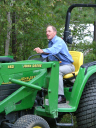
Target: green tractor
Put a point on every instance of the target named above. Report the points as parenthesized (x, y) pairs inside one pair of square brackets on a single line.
[(29, 90)]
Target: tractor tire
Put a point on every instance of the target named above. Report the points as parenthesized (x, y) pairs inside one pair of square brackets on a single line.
[(86, 113), (30, 121), (7, 89)]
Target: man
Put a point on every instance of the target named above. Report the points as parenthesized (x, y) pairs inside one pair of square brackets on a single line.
[(58, 47)]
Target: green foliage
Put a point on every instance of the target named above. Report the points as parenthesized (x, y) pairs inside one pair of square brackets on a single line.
[(32, 17), (91, 55), (88, 50), (67, 119)]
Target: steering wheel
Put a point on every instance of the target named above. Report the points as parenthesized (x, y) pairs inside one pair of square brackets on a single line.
[(41, 58)]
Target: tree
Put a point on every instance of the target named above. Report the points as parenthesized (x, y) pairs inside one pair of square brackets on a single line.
[(14, 42), (95, 23), (8, 34), (10, 28), (29, 20)]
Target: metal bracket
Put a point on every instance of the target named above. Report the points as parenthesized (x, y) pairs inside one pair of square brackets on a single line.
[(10, 107), (66, 124), (7, 125)]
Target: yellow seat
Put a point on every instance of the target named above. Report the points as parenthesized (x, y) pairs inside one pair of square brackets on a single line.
[(78, 61)]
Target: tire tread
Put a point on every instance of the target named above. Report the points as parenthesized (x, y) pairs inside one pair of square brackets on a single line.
[(86, 113)]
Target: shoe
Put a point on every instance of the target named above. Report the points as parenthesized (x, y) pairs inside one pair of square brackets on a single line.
[(61, 100)]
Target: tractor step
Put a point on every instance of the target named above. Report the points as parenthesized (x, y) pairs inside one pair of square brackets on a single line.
[(64, 105), (66, 124)]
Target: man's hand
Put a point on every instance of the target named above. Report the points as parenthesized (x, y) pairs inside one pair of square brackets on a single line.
[(38, 50)]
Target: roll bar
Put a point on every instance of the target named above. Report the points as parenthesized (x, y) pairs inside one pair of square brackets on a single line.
[(67, 36)]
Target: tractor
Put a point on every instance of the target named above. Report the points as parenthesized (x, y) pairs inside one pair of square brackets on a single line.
[(29, 90)]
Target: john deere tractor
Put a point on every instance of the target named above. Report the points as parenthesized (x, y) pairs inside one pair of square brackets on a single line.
[(29, 90)]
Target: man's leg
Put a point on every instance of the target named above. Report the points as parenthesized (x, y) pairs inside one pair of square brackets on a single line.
[(63, 70)]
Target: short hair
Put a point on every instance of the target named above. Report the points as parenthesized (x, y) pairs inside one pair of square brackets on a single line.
[(52, 27)]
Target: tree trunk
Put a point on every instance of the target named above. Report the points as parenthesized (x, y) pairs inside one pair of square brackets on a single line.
[(95, 30), (94, 24), (14, 48), (8, 34), (94, 40)]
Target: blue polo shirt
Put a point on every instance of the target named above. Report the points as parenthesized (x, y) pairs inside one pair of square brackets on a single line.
[(58, 47)]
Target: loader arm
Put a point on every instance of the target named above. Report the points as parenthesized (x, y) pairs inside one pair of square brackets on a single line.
[(24, 97)]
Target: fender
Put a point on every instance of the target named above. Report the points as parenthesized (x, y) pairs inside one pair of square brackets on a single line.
[(83, 76)]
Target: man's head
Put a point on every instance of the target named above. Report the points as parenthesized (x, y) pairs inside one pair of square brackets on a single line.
[(51, 32)]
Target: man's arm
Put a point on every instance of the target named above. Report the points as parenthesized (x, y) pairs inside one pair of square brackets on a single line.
[(39, 50)]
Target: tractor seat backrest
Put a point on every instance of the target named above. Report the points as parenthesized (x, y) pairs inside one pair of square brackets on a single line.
[(78, 61)]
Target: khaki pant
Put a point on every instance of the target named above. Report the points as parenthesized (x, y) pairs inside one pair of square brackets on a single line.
[(63, 70)]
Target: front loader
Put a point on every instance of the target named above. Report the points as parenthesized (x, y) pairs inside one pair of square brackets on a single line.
[(29, 90)]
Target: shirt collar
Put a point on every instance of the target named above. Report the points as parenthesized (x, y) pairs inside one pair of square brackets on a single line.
[(53, 40)]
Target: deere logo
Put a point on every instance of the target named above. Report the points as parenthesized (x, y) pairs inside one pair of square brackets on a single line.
[(27, 66), (32, 66)]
